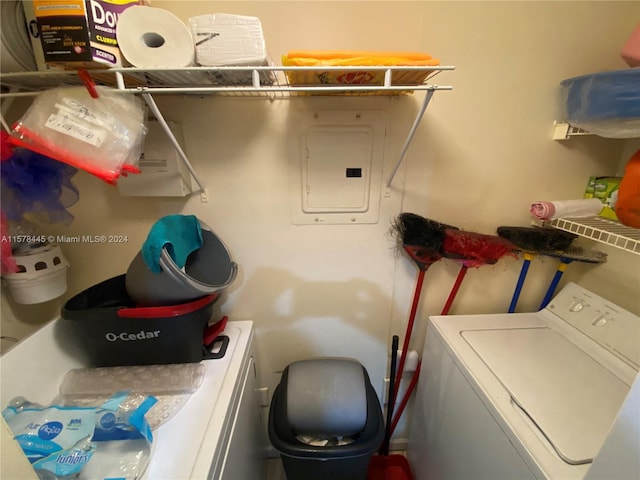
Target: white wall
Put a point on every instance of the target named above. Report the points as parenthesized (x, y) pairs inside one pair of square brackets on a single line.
[(481, 155)]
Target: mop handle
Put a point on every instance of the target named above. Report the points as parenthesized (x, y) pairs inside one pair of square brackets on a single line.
[(562, 266), (407, 335), (523, 275), (405, 398), (454, 290), (384, 450)]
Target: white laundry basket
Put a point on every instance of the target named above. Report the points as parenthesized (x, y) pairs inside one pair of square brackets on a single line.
[(41, 275)]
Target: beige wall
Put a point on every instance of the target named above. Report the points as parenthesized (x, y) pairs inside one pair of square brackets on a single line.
[(482, 154)]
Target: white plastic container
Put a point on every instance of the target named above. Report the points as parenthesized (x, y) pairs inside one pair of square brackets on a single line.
[(41, 276)]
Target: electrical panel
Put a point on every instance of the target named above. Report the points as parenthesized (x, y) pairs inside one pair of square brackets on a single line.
[(337, 162)]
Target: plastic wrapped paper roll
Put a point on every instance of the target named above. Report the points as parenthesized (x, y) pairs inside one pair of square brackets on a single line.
[(151, 37), (548, 210), (225, 39)]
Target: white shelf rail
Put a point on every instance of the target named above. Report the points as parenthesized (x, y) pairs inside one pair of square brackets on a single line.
[(264, 81), (249, 81), (602, 230)]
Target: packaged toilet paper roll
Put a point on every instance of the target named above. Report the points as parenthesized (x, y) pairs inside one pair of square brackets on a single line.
[(151, 37)]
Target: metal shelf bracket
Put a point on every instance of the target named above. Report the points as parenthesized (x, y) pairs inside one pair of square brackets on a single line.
[(156, 113), (564, 131), (412, 131)]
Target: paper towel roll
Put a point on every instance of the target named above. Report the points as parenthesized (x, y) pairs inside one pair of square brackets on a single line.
[(151, 37)]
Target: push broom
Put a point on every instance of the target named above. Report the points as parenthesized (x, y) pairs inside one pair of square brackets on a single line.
[(470, 250), (566, 257), (532, 241), (422, 240)]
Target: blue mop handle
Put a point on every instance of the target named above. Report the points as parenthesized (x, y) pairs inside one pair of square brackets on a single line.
[(554, 282), (523, 275)]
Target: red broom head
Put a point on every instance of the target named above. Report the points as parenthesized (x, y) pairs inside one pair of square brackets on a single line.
[(422, 256), (475, 249)]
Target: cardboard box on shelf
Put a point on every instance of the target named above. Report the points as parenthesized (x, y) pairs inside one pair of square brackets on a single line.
[(75, 33), (606, 189)]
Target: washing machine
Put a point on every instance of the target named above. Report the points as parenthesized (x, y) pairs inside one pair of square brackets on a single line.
[(526, 395)]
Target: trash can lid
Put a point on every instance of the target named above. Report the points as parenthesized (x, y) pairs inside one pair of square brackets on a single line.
[(326, 397)]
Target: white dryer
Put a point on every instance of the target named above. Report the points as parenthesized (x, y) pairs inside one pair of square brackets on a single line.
[(524, 395)]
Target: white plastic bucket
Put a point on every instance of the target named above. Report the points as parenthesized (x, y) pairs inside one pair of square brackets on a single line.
[(41, 276)]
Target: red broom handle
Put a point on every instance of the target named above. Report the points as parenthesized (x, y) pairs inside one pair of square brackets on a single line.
[(405, 399), (407, 335), (454, 290)]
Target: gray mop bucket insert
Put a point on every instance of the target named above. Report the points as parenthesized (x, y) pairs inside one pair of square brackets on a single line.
[(208, 270)]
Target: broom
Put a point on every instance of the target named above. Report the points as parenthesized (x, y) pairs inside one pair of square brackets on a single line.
[(422, 240), (472, 249), (566, 257), (532, 241)]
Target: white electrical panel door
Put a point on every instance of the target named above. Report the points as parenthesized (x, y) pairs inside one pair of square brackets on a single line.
[(337, 168)]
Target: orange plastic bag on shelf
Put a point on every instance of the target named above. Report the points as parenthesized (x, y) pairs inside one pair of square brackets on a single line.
[(628, 204), (356, 57)]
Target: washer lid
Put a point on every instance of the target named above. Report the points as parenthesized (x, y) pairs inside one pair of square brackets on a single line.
[(571, 398)]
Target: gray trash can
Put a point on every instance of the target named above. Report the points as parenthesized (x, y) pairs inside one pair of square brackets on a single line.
[(325, 420)]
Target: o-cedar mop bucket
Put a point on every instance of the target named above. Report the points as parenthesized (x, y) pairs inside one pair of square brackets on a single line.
[(116, 332)]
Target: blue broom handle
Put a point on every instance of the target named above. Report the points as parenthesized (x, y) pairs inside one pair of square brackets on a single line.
[(554, 282), (523, 275)]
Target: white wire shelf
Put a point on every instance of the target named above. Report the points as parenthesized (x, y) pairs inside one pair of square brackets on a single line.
[(602, 230), (271, 81), (264, 81)]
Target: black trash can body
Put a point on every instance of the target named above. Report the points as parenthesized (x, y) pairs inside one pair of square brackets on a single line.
[(303, 461)]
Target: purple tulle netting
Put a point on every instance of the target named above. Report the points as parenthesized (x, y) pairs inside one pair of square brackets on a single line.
[(38, 185)]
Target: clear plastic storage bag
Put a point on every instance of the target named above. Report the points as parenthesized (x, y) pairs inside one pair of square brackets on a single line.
[(103, 135)]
